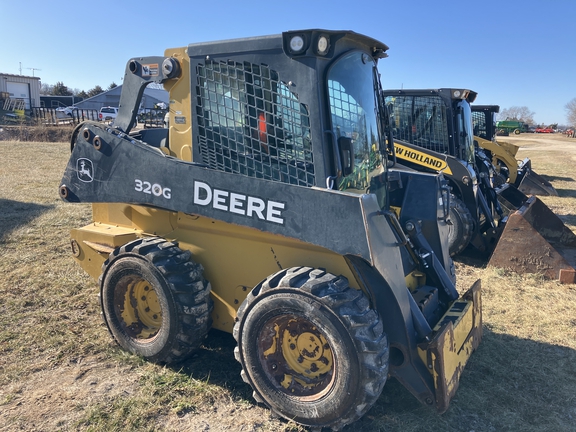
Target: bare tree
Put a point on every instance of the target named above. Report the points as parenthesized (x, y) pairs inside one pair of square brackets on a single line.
[(522, 114), (571, 112), (46, 89)]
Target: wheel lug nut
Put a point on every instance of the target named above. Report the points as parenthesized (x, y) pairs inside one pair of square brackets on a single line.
[(300, 359), (143, 298), (147, 309), (313, 367), (274, 366), (292, 346), (155, 316)]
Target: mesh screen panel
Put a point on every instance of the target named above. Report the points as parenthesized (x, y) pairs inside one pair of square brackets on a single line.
[(420, 120), (250, 123), (479, 122)]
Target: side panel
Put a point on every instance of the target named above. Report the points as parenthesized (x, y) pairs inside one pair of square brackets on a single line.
[(132, 172)]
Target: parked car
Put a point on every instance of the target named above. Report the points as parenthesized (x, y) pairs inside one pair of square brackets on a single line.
[(66, 111), (544, 130), (107, 113)]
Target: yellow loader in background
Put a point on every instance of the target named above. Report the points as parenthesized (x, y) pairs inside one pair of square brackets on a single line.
[(503, 155), (433, 132)]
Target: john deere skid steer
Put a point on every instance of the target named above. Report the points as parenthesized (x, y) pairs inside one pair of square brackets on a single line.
[(263, 210), (503, 154), (433, 132)]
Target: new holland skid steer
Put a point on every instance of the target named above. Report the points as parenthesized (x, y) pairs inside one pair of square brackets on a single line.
[(503, 154), (263, 210), (433, 132)]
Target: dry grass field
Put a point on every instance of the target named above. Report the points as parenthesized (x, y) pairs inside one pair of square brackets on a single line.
[(60, 370)]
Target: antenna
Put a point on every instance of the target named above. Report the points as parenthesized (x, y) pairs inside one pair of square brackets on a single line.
[(33, 69)]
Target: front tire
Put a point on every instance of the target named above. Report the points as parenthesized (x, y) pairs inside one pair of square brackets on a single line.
[(155, 300), (460, 231), (312, 348)]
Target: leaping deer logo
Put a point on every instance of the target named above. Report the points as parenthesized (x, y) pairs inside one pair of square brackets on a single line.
[(84, 169)]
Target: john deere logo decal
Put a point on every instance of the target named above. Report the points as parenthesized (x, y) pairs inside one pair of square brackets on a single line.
[(85, 170), (421, 158)]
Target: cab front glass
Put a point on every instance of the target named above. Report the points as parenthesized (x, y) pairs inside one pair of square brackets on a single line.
[(465, 131), (355, 114)]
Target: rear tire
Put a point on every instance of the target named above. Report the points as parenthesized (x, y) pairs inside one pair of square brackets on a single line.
[(460, 231), (155, 301), (311, 348)]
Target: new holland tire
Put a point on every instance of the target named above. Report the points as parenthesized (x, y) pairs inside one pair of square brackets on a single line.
[(499, 180), (460, 231), (155, 300), (311, 348)]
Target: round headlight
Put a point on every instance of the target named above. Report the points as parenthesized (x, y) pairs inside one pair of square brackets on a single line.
[(322, 45), (457, 93), (296, 43)]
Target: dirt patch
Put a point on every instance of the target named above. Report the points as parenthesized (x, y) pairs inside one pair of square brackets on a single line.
[(53, 398)]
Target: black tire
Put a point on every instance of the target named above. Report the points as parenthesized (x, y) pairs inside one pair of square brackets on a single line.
[(312, 348), (155, 300), (499, 180), (517, 131), (460, 231)]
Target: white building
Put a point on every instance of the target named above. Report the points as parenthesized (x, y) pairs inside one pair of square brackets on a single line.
[(21, 87)]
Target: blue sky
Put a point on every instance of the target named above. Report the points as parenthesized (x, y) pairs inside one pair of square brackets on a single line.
[(512, 52)]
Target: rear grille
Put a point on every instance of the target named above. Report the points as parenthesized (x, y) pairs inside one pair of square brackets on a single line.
[(250, 123), (479, 122)]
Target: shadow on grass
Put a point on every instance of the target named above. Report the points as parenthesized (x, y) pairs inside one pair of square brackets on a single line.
[(566, 193), (552, 178), (14, 214), (215, 361), (509, 383)]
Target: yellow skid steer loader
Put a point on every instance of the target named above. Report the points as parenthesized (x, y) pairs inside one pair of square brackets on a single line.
[(503, 155), (433, 132), (264, 210)]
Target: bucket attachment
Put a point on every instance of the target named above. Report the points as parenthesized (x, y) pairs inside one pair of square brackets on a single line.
[(532, 183), (510, 198), (459, 333), (535, 240)]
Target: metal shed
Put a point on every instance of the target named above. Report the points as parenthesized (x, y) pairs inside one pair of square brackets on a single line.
[(21, 87)]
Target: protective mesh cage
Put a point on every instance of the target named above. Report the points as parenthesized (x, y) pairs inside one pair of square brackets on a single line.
[(479, 122), (420, 120), (250, 123)]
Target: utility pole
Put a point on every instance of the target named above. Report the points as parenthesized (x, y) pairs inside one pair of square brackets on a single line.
[(33, 69)]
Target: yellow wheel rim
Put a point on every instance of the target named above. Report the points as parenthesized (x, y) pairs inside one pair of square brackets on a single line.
[(296, 356), (140, 311)]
